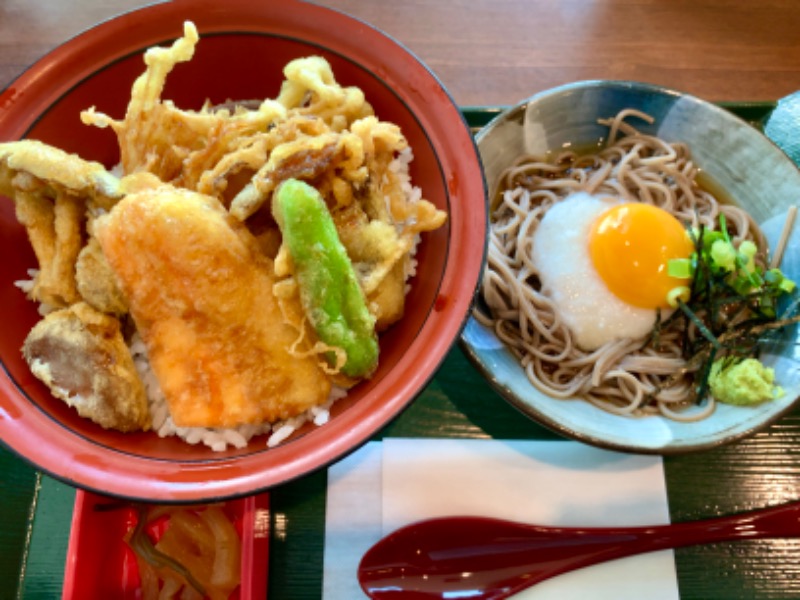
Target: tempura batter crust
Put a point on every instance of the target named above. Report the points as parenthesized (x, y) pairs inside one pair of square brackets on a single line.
[(80, 354), (201, 296)]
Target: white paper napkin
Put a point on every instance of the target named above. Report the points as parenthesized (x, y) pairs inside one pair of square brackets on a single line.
[(387, 485)]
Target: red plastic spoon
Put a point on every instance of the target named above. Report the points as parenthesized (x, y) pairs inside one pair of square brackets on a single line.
[(482, 558)]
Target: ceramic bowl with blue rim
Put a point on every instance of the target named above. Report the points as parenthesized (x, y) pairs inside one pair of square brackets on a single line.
[(748, 168)]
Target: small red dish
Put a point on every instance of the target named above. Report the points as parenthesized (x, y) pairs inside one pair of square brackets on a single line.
[(101, 565)]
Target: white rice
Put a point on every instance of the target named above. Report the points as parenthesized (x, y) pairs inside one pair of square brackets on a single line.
[(400, 167), (216, 438)]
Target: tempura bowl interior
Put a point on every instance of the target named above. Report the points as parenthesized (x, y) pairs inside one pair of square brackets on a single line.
[(243, 48)]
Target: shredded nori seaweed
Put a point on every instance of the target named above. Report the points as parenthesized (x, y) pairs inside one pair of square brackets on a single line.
[(731, 324)]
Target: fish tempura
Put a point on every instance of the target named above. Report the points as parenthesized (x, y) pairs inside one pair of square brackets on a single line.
[(201, 297)]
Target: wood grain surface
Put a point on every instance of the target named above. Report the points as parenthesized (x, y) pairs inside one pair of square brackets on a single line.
[(501, 51)]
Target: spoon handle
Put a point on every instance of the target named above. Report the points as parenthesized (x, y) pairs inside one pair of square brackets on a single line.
[(776, 521), (601, 544)]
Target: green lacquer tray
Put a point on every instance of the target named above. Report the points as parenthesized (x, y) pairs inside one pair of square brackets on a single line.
[(458, 403)]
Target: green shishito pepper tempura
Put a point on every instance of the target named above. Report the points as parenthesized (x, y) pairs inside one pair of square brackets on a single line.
[(329, 291)]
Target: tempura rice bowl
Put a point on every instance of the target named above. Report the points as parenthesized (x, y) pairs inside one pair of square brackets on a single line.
[(98, 68)]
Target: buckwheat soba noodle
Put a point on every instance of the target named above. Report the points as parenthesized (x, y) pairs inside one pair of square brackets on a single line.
[(624, 376)]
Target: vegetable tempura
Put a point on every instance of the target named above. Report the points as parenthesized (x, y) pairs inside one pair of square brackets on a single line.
[(182, 248)]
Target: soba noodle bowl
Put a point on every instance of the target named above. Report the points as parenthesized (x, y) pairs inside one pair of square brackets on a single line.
[(626, 376)]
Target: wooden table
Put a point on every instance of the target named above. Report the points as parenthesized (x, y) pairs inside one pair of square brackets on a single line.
[(501, 51), (493, 52)]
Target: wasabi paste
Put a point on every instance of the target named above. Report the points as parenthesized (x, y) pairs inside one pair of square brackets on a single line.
[(744, 382)]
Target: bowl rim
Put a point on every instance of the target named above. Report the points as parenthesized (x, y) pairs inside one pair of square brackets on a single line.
[(532, 412), (76, 461)]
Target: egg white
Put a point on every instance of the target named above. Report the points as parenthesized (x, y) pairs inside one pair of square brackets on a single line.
[(561, 256)]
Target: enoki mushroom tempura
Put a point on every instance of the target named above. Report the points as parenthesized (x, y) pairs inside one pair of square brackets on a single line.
[(626, 376)]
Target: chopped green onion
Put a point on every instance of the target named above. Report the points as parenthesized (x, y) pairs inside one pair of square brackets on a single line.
[(748, 248), (774, 277), (778, 281), (680, 268), (678, 294), (723, 255), (723, 227)]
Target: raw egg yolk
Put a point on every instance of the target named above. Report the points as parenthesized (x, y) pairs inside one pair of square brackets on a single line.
[(631, 245)]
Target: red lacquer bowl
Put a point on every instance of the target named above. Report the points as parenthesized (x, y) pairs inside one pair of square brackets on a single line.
[(244, 45)]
